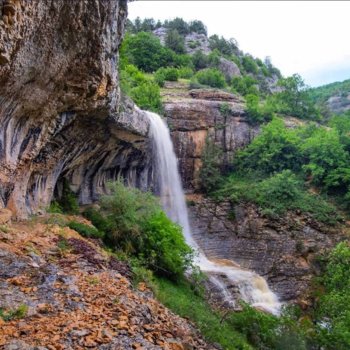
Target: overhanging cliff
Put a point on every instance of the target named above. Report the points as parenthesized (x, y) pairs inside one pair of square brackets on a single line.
[(61, 111)]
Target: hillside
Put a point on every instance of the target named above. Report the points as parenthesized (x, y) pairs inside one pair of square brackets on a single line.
[(333, 98)]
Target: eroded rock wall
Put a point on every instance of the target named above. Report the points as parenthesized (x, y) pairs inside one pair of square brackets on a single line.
[(193, 116), (283, 250), (61, 111)]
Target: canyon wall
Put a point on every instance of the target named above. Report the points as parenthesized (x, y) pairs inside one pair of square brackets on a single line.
[(194, 115), (284, 250), (61, 112)]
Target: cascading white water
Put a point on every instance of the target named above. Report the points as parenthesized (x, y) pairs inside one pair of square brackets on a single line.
[(253, 287)]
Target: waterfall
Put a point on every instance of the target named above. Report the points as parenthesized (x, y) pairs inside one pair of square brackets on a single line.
[(253, 288)]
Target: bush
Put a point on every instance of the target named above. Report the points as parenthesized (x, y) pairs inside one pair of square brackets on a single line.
[(285, 188), (257, 113), (18, 313), (199, 60), (85, 230), (147, 96), (211, 77), (68, 201), (134, 222), (142, 90), (333, 310), (185, 72), (170, 74), (164, 249), (275, 149), (295, 99), (244, 85), (249, 65)]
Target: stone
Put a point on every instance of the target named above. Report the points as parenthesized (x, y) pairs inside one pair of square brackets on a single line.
[(5, 216), (229, 69), (269, 247)]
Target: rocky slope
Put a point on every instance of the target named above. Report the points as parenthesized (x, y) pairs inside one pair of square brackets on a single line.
[(333, 98), (283, 250), (61, 112), (73, 295), (194, 115)]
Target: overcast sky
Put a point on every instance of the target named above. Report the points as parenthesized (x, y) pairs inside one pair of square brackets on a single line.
[(311, 38)]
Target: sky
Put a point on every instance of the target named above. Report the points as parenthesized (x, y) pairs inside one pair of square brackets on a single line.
[(306, 37)]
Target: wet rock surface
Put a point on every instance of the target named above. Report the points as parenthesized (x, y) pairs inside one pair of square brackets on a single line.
[(283, 250), (78, 297)]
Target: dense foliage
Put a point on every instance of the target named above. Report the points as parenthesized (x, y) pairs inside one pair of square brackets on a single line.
[(132, 221), (333, 306)]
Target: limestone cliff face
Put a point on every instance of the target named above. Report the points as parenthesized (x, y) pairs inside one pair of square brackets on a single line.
[(282, 250), (194, 115), (61, 112)]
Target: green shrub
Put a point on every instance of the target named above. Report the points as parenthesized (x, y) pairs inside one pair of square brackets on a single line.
[(133, 221), (199, 60), (257, 112), (211, 77), (68, 200), (275, 149), (85, 230), (249, 64), (147, 96), (333, 305), (285, 188), (55, 208), (98, 220), (244, 85), (182, 299), (18, 313), (225, 109), (170, 74), (163, 248), (185, 72)]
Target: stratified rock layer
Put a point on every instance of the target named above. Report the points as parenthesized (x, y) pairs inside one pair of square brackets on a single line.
[(61, 112), (282, 250), (194, 115)]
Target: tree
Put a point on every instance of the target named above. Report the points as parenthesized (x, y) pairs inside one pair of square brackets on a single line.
[(145, 51), (198, 27), (199, 60), (175, 41), (179, 24), (249, 64), (295, 98), (225, 47), (210, 173)]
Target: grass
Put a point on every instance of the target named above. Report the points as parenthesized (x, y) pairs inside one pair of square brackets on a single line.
[(85, 230), (20, 312), (181, 299)]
